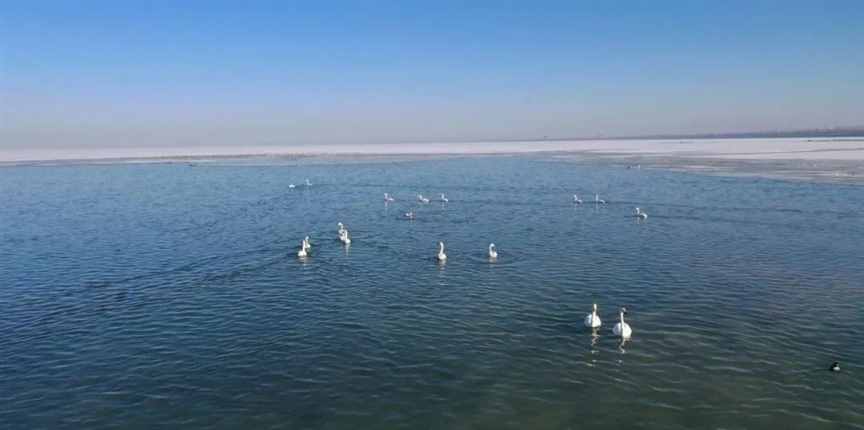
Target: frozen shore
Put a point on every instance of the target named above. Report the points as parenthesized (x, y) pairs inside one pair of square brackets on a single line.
[(829, 159)]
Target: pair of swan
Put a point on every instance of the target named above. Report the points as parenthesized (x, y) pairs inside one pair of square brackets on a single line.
[(305, 246), (388, 198), (638, 214), (597, 199), (622, 329), (308, 184), (422, 199), (493, 252)]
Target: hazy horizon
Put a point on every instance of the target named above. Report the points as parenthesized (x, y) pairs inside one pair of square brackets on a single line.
[(212, 74)]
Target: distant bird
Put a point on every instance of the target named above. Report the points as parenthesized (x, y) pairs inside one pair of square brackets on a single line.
[(444, 199), (598, 200), (387, 198), (592, 320), (622, 328), (409, 215), (441, 255), (835, 367), (302, 253), (640, 214), (308, 182), (422, 199), (493, 252), (577, 200), (307, 242), (343, 236), (291, 186)]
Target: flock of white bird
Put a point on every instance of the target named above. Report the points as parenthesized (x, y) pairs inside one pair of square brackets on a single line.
[(592, 320)]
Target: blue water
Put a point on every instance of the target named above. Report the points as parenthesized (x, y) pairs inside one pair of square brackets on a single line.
[(137, 296)]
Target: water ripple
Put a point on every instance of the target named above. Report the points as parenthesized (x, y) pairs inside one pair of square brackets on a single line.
[(163, 296)]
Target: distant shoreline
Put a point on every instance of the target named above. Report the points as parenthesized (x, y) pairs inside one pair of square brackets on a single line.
[(837, 148), (821, 133)]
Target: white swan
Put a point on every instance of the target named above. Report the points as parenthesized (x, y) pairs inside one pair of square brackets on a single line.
[(307, 242), (308, 182), (409, 215), (640, 214), (291, 186), (441, 255), (387, 198), (592, 320), (444, 199), (341, 228), (597, 199), (622, 328), (302, 252), (422, 199), (493, 252), (577, 200), (343, 236)]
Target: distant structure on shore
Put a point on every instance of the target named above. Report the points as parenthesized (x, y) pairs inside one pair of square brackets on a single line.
[(856, 131)]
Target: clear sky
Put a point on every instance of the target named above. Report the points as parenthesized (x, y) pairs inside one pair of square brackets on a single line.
[(118, 73)]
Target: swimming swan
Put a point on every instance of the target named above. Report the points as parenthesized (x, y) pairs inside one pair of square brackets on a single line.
[(597, 199), (577, 200), (592, 320), (387, 198), (622, 328), (302, 252), (441, 255), (307, 242), (422, 199), (409, 215), (343, 236), (640, 214), (308, 182), (341, 228), (444, 199), (493, 252), (291, 186)]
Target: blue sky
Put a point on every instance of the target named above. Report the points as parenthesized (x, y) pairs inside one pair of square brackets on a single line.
[(172, 73)]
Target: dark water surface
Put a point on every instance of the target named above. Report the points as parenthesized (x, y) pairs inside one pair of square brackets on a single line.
[(142, 296)]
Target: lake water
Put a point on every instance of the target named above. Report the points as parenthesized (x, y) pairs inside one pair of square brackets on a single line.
[(168, 295)]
